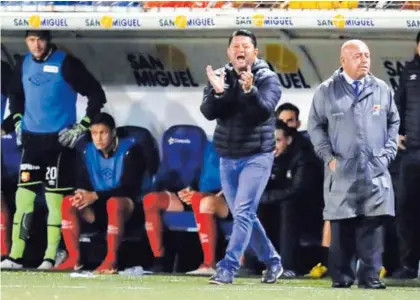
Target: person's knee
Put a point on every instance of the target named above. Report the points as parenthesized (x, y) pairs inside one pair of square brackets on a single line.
[(67, 210), (67, 204), (196, 200), (150, 202), (114, 205), (208, 205), (245, 215), (25, 199), (156, 201)]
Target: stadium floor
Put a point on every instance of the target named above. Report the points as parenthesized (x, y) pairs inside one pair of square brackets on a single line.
[(60, 286)]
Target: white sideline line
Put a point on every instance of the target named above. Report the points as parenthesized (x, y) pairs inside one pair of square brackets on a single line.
[(239, 287), (206, 287), (17, 286)]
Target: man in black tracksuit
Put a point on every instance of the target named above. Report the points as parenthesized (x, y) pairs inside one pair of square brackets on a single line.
[(292, 195), (43, 96), (407, 99)]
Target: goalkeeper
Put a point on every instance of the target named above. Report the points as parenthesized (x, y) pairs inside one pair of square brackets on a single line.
[(43, 99)]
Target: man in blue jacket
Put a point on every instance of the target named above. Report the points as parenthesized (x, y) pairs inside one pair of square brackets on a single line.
[(43, 97), (242, 97)]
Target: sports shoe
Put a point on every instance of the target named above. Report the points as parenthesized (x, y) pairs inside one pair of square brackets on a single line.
[(70, 264), (382, 273), (47, 264), (272, 273), (60, 257), (107, 267), (405, 273), (288, 274), (203, 269), (317, 272), (10, 263), (221, 277)]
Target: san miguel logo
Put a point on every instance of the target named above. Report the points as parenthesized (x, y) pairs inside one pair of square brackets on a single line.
[(167, 67), (287, 65)]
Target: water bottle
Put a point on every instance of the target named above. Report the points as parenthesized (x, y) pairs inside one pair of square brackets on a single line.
[(135, 271)]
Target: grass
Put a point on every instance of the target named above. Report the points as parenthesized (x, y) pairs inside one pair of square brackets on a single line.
[(60, 286)]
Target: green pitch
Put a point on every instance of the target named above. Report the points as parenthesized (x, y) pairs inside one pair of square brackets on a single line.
[(60, 286)]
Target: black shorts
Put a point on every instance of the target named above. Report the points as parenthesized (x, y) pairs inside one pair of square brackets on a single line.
[(187, 207), (56, 168)]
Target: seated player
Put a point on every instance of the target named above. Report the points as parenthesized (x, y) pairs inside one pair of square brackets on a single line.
[(206, 204), (108, 184), (206, 207), (154, 204)]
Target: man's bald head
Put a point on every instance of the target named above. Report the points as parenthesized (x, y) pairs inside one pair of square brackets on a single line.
[(355, 59)]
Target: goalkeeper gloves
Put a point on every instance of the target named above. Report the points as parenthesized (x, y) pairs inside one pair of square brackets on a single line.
[(17, 119), (68, 136)]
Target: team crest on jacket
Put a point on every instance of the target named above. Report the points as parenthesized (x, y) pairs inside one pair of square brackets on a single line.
[(376, 109), (25, 176)]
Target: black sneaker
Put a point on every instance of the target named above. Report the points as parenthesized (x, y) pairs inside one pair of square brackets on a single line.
[(272, 273), (222, 276), (342, 284), (288, 274), (374, 284), (405, 273)]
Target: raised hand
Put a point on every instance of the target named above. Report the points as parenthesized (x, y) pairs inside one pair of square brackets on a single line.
[(247, 80), (216, 80)]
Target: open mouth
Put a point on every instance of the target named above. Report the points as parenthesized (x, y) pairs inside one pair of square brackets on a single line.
[(240, 58)]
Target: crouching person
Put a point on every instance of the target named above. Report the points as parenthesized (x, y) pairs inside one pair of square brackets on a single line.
[(107, 185)]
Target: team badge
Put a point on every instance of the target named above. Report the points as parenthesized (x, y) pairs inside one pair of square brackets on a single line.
[(25, 176), (376, 109)]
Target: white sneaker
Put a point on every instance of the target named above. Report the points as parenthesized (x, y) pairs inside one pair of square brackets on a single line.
[(10, 264), (203, 270), (60, 257), (46, 265)]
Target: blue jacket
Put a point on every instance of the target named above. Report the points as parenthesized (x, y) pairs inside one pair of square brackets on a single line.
[(245, 122)]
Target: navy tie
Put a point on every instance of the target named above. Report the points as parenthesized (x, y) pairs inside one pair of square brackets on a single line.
[(356, 86)]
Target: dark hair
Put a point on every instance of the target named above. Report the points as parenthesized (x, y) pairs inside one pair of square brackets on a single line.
[(244, 32), (42, 34), (287, 131), (288, 106), (105, 119)]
